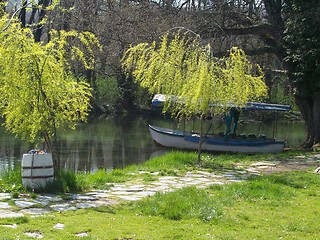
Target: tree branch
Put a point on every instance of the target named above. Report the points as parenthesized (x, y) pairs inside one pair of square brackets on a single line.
[(254, 52), (266, 32)]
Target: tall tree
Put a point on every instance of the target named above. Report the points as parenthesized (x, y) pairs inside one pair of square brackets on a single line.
[(38, 92), (302, 45), (184, 70)]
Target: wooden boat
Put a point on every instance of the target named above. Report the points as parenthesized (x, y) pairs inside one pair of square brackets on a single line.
[(215, 143), (225, 142)]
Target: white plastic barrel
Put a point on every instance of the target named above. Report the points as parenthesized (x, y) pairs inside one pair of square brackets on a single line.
[(37, 170)]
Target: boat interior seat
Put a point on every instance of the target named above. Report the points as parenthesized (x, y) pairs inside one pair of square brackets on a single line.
[(221, 134), (233, 135), (262, 136), (252, 136), (243, 136)]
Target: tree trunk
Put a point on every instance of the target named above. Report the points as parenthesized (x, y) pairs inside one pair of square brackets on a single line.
[(200, 140), (23, 13), (310, 109), (53, 150), (316, 118)]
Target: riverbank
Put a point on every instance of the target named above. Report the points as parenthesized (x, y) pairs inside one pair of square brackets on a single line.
[(115, 211)]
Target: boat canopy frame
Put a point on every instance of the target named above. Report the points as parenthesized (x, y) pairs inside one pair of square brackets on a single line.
[(234, 113)]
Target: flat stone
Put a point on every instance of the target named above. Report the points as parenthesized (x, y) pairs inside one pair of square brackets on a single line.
[(130, 198), (120, 193), (234, 181), (24, 204), (10, 214), (265, 167), (208, 174), (168, 182), (59, 226), (4, 196), (83, 197), (194, 175), (42, 202), (4, 205), (98, 192), (259, 164), (146, 193), (63, 207), (101, 195), (253, 170), (87, 205), (129, 189), (49, 197), (137, 186), (186, 179), (228, 175), (10, 226), (84, 234), (180, 185), (117, 189), (35, 211), (311, 160), (34, 235), (158, 188), (107, 202)]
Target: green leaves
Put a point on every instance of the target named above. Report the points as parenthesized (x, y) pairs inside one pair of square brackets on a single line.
[(38, 91), (180, 66), (301, 42)]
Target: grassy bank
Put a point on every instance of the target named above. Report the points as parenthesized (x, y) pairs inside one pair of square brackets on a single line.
[(274, 206), (170, 164)]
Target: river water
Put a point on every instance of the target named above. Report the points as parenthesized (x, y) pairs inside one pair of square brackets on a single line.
[(119, 141)]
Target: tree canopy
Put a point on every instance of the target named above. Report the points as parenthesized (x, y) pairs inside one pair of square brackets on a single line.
[(178, 65), (38, 91)]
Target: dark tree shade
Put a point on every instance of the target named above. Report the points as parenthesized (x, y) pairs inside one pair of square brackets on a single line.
[(302, 45)]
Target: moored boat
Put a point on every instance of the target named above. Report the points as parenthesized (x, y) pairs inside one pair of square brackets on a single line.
[(225, 142), (215, 143)]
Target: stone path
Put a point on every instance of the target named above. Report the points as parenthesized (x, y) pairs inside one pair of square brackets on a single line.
[(44, 204)]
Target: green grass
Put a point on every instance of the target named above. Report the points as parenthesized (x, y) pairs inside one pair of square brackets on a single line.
[(171, 164), (276, 206), (185, 203)]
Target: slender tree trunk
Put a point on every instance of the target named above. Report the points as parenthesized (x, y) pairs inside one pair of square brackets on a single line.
[(316, 118), (200, 140), (23, 13), (307, 109), (42, 15), (52, 149)]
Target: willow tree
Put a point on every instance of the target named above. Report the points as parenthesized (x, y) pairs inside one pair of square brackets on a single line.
[(38, 92), (178, 65)]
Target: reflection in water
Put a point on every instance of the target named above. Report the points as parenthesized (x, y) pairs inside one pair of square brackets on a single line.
[(116, 142), (106, 143)]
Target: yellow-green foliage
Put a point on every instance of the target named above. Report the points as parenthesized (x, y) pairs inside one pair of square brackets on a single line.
[(181, 66), (38, 92)]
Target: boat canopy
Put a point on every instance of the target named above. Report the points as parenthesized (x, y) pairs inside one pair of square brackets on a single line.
[(159, 99), (266, 106)]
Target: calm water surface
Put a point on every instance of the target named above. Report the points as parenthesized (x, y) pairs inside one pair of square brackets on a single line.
[(116, 142)]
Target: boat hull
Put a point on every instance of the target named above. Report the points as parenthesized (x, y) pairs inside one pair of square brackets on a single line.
[(182, 140)]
